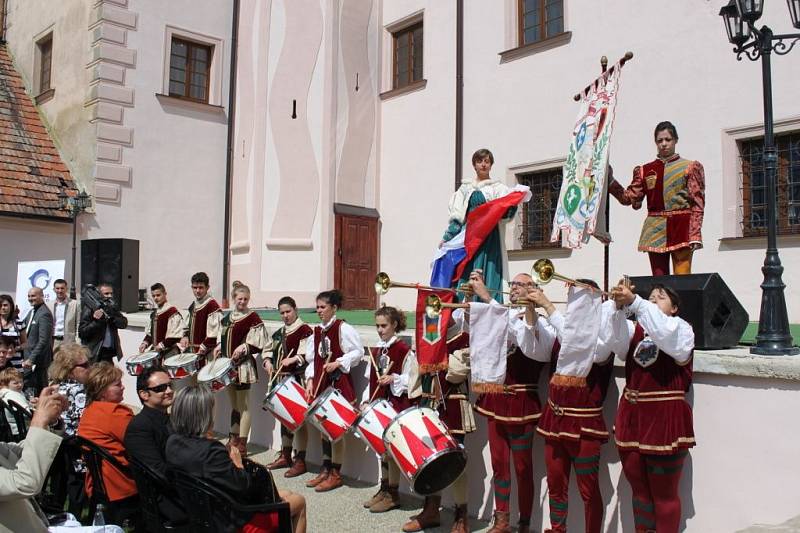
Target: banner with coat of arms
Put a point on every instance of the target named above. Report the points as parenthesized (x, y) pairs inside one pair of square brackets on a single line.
[(431, 331), (581, 203)]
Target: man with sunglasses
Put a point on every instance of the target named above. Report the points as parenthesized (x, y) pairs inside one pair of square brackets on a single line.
[(146, 436)]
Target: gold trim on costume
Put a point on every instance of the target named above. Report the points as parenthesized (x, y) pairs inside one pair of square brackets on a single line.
[(526, 418), (634, 396), (576, 412), (647, 447), (567, 381)]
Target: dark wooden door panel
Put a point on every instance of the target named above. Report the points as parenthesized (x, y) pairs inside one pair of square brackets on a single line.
[(357, 260)]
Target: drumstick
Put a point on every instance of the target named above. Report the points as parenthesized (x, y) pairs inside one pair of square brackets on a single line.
[(378, 388), (275, 371)]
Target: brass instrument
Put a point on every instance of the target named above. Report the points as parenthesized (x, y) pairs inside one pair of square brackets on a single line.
[(543, 272), (434, 305), (383, 283)]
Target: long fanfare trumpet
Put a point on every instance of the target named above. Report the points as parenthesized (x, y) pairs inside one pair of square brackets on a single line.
[(383, 283), (544, 271), (434, 305)]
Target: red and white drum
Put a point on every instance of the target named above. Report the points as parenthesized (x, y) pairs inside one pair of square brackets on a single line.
[(181, 365), (287, 401), (217, 374), (372, 422), (332, 414), (137, 363), (424, 450)]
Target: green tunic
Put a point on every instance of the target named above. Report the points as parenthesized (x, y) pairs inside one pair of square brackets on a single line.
[(489, 256)]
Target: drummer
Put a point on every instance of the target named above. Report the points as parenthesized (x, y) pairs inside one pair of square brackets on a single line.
[(195, 335), (241, 335), (336, 348), (397, 365), (165, 327), (288, 359)]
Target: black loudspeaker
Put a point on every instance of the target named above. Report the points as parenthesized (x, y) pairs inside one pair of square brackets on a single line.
[(113, 261), (718, 319)]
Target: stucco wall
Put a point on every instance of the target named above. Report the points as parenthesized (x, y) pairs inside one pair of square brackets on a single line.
[(683, 71), (30, 240)]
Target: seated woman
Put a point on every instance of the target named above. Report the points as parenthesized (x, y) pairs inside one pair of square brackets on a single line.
[(70, 370), (104, 422), (191, 450)]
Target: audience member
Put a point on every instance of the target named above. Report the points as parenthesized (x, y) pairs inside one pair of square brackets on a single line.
[(104, 422), (66, 315), (24, 467), (38, 351), (70, 370), (11, 329), (146, 438), (11, 390), (100, 325), (191, 449), (6, 353)]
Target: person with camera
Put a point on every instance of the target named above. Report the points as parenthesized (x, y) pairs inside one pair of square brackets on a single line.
[(100, 323)]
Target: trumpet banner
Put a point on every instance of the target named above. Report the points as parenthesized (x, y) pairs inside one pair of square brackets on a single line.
[(431, 332), (583, 189)]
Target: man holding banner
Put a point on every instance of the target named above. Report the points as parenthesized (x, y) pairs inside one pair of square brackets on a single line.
[(675, 191)]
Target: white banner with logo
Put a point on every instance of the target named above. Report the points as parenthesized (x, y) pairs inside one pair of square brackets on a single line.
[(40, 274)]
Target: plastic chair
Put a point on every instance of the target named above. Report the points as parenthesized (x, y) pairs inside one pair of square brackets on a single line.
[(93, 456), (203, 502), (150, 485), (5, 428)]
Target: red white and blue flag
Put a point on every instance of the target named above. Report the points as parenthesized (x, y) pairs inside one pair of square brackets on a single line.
[(452, 258)]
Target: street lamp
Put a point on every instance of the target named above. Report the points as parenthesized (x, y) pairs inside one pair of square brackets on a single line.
[(740, 17), (76, 205)]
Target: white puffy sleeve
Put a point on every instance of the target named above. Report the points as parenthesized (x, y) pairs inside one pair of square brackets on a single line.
[(400, 381), (673, 335), (352, 346)]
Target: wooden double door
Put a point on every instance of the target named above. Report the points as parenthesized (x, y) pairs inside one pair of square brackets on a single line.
[(356, 249)]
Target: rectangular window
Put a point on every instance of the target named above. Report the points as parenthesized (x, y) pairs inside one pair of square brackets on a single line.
[(538, 213), (540, 20), (189, 70), (45, 49), (407, 55), (755, 190)]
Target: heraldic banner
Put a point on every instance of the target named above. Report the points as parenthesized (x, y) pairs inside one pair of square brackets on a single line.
[(583, 189), (431, 331)]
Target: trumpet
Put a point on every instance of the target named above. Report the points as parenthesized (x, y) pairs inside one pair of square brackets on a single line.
[(383, 283), (544, 271), (434, 305)]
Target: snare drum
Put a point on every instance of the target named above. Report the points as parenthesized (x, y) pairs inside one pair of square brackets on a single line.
[(137, 363), (422, 447), (371, 424), (181, 365), (217, 374), (332, 414), (287, 401)]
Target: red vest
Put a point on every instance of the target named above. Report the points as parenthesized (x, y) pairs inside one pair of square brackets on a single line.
[(158, 327), (397, 353), (234, 332), (290, 345), (332, 347), (198, 322), (663, 374)]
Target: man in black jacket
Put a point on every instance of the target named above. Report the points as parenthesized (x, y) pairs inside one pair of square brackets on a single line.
[(38, 352), (146, 436), (100, 325)]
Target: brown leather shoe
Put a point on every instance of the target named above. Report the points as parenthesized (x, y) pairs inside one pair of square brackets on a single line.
[(284, 460), (322, 476), (378, 496), (461, 522), (429, 517), (298, 468), (333, 481), (501, 523), (390, 499)]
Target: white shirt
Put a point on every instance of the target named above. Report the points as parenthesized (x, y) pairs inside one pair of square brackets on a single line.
[(579, 364), (399, 384), (59, 315), (673, 335), (350, 342), (520, 333)]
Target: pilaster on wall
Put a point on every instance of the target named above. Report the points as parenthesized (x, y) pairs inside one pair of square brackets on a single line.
[(108, 96)]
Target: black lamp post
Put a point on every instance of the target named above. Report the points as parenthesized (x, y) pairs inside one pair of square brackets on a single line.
[(75, 205), (740, 17)]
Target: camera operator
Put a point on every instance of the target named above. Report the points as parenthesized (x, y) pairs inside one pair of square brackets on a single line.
[(101, 321)]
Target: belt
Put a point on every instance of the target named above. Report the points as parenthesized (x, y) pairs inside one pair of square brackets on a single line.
[(578, 412), (635, 396), (568, 381), (519, 387), (669, 213), (58, 337)]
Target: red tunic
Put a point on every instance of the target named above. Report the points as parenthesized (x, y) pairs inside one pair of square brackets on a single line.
[(520, 403), (234, 333), (344, 383), (289, 345), (654, 427), (158, 328), (454, 393), (198, 321), (675, 191), (397, 353)]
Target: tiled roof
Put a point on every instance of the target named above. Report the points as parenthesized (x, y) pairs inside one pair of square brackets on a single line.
[(31, 170)]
